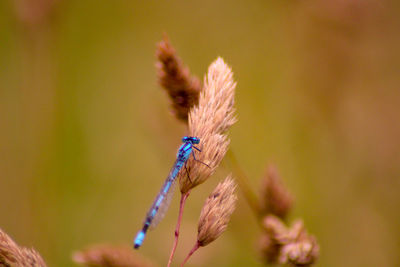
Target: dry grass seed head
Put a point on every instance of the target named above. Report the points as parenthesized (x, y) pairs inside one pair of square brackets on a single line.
[(175, 78), (288, 245), (275, 198), (109, 256), (300, 248), (209, 121), (13, 255), (302, 253), (216, 212)]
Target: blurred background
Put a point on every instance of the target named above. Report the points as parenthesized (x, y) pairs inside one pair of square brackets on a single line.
[(86, 136)]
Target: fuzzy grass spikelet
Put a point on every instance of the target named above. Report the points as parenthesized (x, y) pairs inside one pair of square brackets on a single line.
[(182, 87), (13, 255), (216, 212), (209, 121), (288, 245), (275, 198), (109, 256)]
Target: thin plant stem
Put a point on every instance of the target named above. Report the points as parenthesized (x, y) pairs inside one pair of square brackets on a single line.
[(184, 196), (195, 247), (242, 179)]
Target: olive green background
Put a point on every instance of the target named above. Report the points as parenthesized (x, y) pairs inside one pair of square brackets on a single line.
[(86, 136)]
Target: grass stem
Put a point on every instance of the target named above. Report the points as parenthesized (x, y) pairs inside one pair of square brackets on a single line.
[(242, 179), (184, 196), (196, 247)]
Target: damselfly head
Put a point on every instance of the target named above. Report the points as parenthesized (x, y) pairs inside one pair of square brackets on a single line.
[(191, 139)]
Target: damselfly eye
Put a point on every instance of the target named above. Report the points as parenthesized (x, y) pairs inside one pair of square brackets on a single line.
[(191, 139)]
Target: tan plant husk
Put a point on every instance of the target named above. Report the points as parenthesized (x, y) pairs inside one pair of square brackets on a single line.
[(216, 212), (275, 198), (283, 245), (209, 121), (215, 215), (104, 255), (13, 255), (182, 87)]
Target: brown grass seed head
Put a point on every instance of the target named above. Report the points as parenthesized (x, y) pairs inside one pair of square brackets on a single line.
[(209, 121), (216, 212), (275, 198), (182, 87), (110, 256), (288, 245), (13, 255)]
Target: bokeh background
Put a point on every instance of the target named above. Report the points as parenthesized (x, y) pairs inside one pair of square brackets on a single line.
[(86, 136)]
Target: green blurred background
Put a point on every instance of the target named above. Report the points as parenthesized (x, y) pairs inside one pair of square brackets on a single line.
[(86, 137)]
